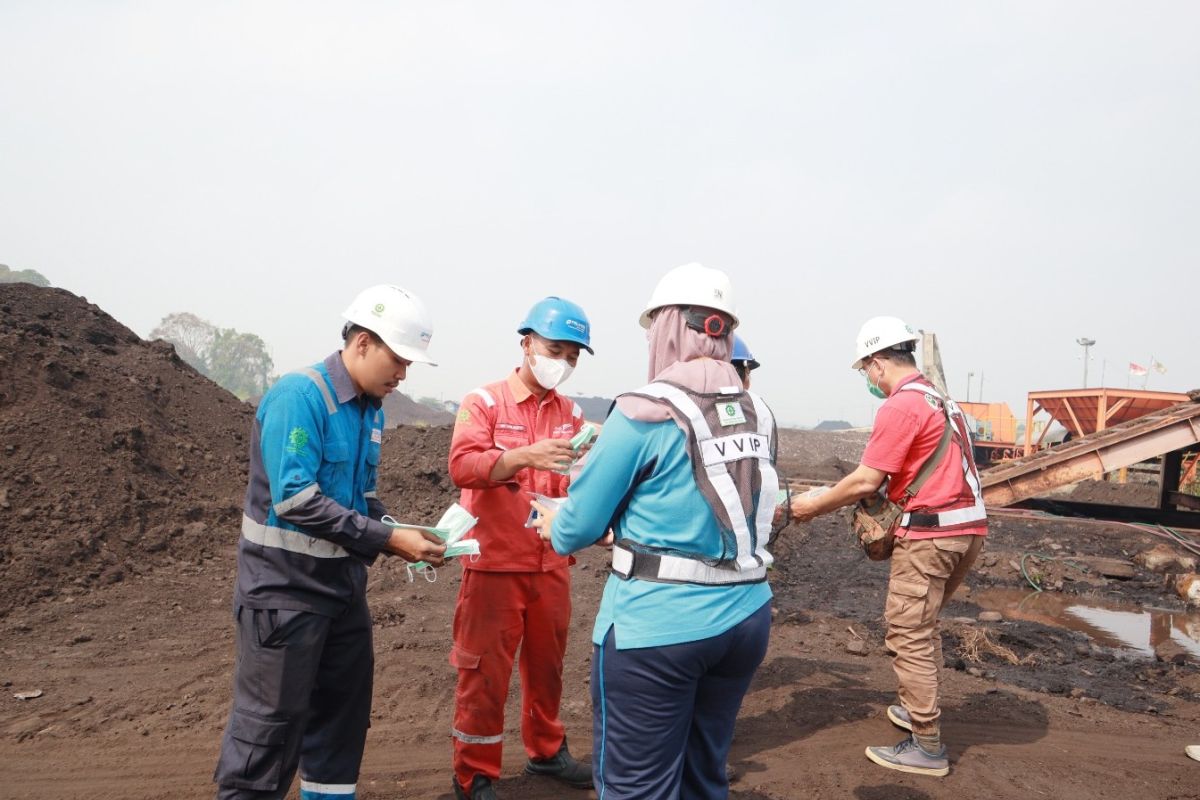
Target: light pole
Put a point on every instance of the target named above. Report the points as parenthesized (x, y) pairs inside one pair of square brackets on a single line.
[(969, 376), (1085, 343)]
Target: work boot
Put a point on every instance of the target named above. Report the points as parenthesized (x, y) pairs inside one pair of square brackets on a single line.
[(899, 717), (563, 766), (908, 756), (481, 789)]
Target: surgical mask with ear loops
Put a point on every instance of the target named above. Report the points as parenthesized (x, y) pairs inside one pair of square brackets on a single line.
[(873, 387)]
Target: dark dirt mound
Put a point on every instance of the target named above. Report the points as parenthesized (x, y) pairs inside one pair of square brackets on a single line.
[(400, 409), (413, 478), (1117, 494), (115, 455)]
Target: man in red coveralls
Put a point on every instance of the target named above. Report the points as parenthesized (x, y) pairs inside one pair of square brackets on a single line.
[(511, 439), (937, 539)]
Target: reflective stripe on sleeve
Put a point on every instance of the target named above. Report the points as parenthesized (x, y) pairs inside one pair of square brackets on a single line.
[(284, 506), (292, 541)]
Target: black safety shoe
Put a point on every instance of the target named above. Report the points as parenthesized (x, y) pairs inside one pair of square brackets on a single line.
[(563, 766), (481, 789)]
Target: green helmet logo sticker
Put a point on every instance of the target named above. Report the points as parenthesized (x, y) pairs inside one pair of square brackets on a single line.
[(378, 309), (297, 440)]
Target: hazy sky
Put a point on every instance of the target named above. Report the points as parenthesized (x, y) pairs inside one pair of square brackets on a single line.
[(1012, 176)]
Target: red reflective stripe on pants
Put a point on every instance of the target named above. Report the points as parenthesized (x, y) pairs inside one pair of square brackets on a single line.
[(497, 612)]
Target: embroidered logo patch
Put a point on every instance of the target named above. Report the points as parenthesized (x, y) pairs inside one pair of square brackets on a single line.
[(934, 403), (376, 435), (730, 414), (297, 440), (464, 416)]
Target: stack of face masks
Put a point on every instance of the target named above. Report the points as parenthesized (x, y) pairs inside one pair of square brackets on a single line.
[(586, 434), (451, 529)]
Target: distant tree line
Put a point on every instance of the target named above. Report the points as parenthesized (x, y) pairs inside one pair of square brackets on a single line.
[(9, 275), (238, 362)]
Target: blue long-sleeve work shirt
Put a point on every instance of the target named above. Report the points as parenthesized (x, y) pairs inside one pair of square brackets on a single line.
[(647, 462), (311, 518)]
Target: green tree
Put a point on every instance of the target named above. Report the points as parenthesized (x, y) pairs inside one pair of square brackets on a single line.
[(8, 275), (240, 363), (193, 338)]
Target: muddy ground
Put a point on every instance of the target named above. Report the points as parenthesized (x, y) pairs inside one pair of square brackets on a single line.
[(123, 623)]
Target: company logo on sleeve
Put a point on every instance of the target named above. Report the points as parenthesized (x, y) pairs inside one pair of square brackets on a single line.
[(297, 440)]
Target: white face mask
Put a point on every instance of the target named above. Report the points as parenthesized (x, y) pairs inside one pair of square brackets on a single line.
[(549, 372)]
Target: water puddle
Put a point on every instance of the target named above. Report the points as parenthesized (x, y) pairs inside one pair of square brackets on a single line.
[(1109, 624)]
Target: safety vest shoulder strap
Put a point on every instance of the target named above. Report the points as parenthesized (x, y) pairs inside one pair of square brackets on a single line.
[(956, 427)]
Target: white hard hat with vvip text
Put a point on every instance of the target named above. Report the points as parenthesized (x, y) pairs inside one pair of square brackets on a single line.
[(396, 316), (881, 333)]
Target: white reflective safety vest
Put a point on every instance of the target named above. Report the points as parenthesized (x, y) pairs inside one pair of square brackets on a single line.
[(968, 513), (731, 442)]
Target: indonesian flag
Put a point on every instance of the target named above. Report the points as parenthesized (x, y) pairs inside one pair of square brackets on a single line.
[(1137, 369)]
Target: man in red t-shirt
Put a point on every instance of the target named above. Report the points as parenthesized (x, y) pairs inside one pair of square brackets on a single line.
[(511, 440), (937, 539)]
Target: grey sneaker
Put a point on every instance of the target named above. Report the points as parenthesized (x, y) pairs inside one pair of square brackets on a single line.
[(908, 756), (899, 717)]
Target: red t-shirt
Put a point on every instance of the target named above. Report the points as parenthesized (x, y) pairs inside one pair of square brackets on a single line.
[(907, 430)]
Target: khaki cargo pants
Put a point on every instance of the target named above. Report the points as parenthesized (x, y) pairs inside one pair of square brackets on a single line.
[(925, 573)]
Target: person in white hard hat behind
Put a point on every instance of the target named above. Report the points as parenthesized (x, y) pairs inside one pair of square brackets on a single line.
[(310, 527), (937, 538)]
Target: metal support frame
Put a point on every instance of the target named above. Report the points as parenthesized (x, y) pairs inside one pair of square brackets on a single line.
[(1172, 429)]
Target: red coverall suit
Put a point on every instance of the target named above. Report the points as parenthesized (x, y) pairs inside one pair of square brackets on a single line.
[(519, 589)]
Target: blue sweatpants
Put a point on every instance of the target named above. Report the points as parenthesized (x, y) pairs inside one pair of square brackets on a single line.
[(662, 717)]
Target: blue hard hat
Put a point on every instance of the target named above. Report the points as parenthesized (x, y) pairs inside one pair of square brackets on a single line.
[(558, 319), (741, 353)]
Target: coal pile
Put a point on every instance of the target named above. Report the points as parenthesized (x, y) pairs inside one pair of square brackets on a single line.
[(414, 479), (115, 455)]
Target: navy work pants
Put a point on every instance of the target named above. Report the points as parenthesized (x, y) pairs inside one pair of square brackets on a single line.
[(301, 696), (662, 717)]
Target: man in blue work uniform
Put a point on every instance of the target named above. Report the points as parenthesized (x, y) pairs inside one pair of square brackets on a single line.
[(311, 526)]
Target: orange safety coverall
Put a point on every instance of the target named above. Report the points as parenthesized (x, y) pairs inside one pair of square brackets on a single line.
[(519, 589)]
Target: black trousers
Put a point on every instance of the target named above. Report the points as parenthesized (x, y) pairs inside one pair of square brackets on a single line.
[(301, 697)]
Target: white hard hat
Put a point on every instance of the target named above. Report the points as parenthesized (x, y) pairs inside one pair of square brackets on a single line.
[(881, 333), (396, 316), (693, 285)]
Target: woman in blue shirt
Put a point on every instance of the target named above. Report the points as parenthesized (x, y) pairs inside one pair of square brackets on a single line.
[(683, 474)]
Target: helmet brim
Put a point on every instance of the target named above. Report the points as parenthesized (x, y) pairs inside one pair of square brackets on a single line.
[(411, 354), (584, 345)]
